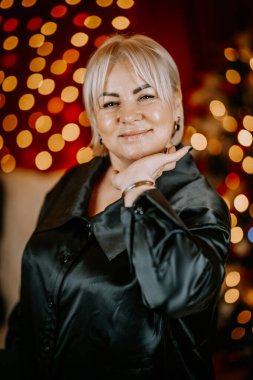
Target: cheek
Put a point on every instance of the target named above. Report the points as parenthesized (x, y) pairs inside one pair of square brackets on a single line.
[(104, 123)]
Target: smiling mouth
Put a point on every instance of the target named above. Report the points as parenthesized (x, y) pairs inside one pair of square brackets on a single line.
[(131, 135)]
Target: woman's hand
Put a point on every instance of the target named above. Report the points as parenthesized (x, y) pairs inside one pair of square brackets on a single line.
[(147, 168)]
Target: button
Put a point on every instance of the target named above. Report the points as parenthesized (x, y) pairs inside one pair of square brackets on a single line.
[(65, 258), (139, 211), (46, 348), (89, 228), (50, 303)]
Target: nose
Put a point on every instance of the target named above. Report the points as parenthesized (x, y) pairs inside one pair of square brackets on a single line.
[(129, 113)]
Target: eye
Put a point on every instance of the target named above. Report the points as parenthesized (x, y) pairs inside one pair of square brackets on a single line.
[(110, 104), (146, 97)]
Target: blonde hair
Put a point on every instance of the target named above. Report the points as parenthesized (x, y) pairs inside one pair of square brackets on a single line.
[(150, 61)]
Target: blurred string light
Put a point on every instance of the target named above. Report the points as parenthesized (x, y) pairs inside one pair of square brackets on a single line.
[(44, 124)]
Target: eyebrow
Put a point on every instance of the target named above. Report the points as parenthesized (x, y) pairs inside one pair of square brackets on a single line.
[(135, 91)]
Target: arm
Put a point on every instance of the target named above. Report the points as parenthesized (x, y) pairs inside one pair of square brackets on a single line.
[(178, 259)]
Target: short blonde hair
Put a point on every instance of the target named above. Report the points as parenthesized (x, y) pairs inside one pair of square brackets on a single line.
[(150, 61)]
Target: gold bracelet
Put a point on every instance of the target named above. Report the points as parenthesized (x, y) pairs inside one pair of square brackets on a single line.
[(137, 184)]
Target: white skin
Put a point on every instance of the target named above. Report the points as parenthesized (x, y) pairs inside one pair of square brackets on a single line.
[(136, 126)]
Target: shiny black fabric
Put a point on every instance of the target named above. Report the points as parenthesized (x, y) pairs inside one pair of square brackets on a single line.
[(127, 294)]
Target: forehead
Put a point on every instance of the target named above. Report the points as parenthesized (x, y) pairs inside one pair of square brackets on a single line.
[(123, 74)]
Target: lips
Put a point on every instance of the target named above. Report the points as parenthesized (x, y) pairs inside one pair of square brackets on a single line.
[(134, 133)]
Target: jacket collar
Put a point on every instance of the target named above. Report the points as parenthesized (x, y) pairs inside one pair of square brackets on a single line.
[(70, 197)]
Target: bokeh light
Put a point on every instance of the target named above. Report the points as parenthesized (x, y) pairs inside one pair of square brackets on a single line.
[(241, 203), (8, 163), (231, 295), (120, 22), (235, 153), (26, 102), (43, 160), (198, 141), (43, 123), (10, 122), (125, 4), (217, 108), (24, 138), (236, 234), (79, 39), (70, 132), (232, 279), (84, 154)]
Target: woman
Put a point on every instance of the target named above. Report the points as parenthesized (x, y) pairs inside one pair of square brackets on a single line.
[(121, 277)]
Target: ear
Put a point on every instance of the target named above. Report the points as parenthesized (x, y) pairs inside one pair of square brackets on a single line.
[(178, 128)]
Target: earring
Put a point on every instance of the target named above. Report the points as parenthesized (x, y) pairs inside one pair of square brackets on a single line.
[(101, 141), (176, 124)]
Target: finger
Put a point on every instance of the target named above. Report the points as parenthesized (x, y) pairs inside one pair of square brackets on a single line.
[(158, 160)]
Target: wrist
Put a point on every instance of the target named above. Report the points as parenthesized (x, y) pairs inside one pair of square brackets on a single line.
[(134, 190)]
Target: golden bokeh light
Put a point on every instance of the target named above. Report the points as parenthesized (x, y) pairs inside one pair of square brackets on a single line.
[(55, 105), (79, 75), (198, 141), (28, 3), (36, 40), (83, 119), (231, 295), (244, 317), (231, 54), (43, 160), (229, 123), (232, 279), (58, 67), (71, 55), (248, 296), (1, 142), (34, 80), (235, 153), (237, 333), (8, 163), (55, 142), (73, 2), (92, 22), (214, 146), (120, 22), (236, 234), (233, 76), (217, 108), (84, 154), (2, 76), (48, 28), (125, 4), (5, 4), (45, 49), (104, 3), (251, 63), (79, 39), (244, 137), (37, 64), (46, 87), (26, 102), (43, 124), (10, 43), (248, 122), (70, 132), (233, 219), (251, 210), (10, 122), (9, 83), (247, 165), (241, 203), (24, 139), (69, 94)]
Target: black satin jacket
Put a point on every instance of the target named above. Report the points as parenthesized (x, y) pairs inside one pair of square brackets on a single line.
[(127, 294)]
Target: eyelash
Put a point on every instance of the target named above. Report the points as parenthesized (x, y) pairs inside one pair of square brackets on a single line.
[(112, 104)]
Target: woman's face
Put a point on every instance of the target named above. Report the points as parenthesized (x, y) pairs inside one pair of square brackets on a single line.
[(132, 120)]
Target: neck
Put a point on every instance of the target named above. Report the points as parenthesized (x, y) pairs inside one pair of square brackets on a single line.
[(119, 164)]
